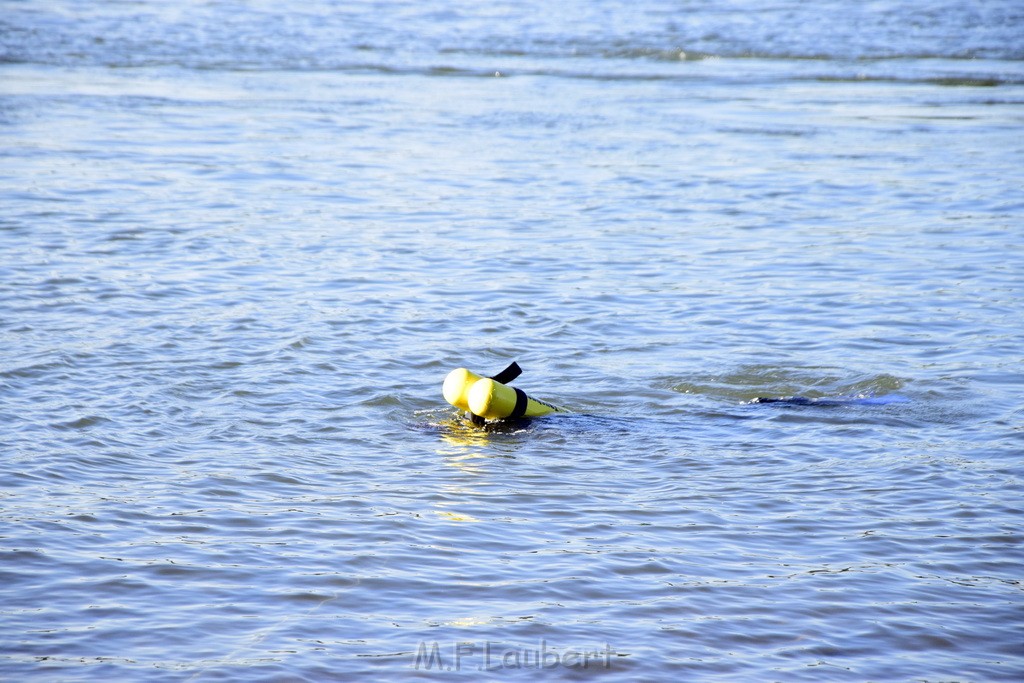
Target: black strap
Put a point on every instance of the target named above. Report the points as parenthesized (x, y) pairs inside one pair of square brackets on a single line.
[(521, 401), (508, 374)]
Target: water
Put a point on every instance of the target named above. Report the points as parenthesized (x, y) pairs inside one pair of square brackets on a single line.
[(244, 243)]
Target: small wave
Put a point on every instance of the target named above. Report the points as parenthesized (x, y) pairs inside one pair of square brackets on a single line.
[(749, 382), (83, 422), (945, 81)]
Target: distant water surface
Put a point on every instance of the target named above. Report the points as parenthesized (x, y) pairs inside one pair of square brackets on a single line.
[(244, 242)]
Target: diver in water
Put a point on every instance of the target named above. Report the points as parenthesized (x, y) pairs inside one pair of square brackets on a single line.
[(489, 398), (823, 401)]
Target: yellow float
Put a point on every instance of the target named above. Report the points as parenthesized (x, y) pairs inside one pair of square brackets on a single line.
[(489, 398)]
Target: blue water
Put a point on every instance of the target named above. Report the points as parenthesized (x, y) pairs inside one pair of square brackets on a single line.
[(243, 243)]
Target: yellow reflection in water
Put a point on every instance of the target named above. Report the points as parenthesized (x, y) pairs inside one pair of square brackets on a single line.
[(461, 450), (461, 433), (455, 516)]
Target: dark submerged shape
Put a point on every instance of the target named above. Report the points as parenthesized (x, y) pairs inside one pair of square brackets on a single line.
[(825, 401)]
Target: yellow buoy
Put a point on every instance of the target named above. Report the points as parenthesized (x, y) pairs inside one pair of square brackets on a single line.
[(494, 401), (456, 387), (489, 397)]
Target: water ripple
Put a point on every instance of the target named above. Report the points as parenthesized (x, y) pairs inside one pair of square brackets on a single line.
[(242, 252)]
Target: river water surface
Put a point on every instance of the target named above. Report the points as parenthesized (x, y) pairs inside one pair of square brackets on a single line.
[(243, 244)]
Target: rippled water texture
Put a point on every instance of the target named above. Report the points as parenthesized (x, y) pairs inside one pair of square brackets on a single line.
[(244, 242)]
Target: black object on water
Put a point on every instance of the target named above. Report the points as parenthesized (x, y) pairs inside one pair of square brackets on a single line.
[(824, 401)]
